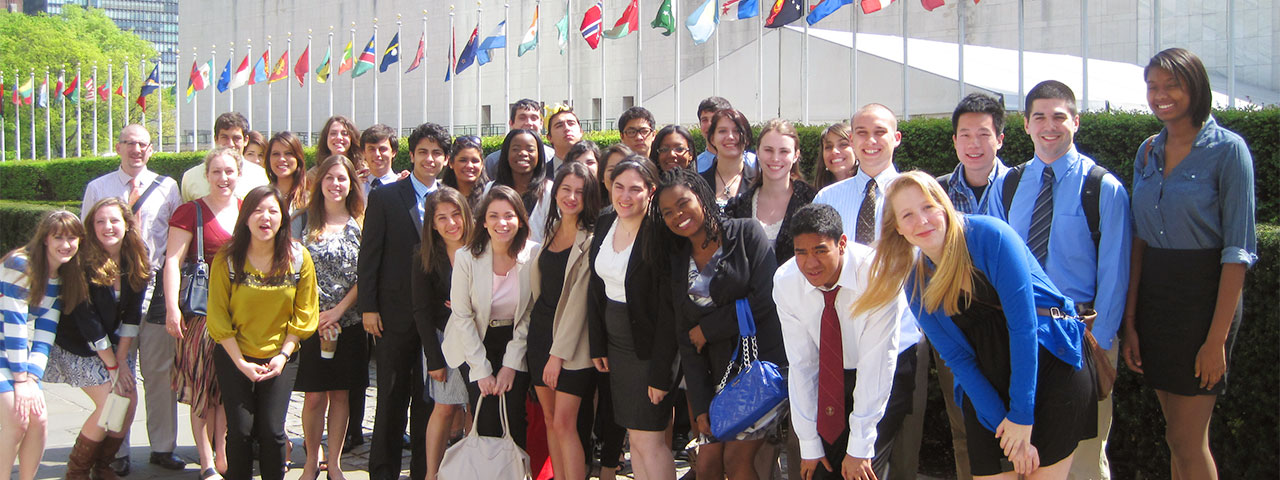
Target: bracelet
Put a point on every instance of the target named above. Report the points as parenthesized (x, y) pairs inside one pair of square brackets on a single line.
[(287, 356), (112, 369)]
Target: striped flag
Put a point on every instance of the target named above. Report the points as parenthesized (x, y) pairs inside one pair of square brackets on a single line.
[(591, 22), (530, 40), (199, 78), (365, 63), (348, 58), (422, 51), (627, 23)]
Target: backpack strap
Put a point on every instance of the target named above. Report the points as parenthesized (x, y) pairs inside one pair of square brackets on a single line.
[(1146, 150), (1089, 199), (295, 260), (1010, 186)]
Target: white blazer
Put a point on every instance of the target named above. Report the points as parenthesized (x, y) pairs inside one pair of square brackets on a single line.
[(471, 295)]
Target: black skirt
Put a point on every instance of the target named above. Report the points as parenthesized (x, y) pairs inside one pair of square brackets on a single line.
[(628, 376), (1177, 294), (347, 370)]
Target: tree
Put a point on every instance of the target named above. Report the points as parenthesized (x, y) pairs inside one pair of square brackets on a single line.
[(76, 37)]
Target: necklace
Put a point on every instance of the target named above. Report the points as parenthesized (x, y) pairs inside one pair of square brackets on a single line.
[(727, 184)]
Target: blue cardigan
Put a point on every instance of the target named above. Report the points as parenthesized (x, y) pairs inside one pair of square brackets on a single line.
[(1000, 254)]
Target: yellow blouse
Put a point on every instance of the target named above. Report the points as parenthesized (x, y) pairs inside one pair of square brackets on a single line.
[(261, 313)]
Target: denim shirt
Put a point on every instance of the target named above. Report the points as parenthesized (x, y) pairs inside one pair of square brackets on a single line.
[(1206, 202)]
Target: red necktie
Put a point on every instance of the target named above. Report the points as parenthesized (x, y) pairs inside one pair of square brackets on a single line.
[(135, 191), (831, 420)]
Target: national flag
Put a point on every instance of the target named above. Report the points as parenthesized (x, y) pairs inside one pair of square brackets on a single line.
[(281, 70), (530, 40), (783, 13), (391, 55), (468, 54), (627, 23), (120, 88), (591, 23), (827, 7), (1, 98), (702, 23), (872, 6), (365, 62), (422, 52), (173, 90), (562, 32), (151, 84), (42, 100), (745, 9), (932, 4), (57, 88), (448, 72), (241, 77), (199, 78), (224, 80), (260, 69), (104, 91), (322, 73), (496, 39), (89, 90), (664, 20), (72, 91), (304, 64), (27, 91), (348, 58)]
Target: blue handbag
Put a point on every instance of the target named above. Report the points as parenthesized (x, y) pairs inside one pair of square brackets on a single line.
[(755, 394)]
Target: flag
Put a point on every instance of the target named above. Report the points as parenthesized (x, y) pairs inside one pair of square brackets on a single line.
[(104, 91), (591, 22), (827, 7), (120, 88), (391, 55), (664, 19), (304, 64), (199, 78), (496, 39), (468, 55), (281, 70), (783, 13), (241, 77), (322, 73), (530, 40), (932, 4), (173, 90), (1, 98), (42, 100), (26, 92), (224, 79), (422, 51), (562, 32), (365, 62), (72, 91), (627, 23), (872, 6), (448, 72), (260, 69), (745, 9), (89, 91), (348, 58), (703, 22), (57, 88), (151, 84)]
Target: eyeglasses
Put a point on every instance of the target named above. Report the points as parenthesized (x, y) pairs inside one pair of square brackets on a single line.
[(131, 143), (637, 132), (676, 150), (466, 141)]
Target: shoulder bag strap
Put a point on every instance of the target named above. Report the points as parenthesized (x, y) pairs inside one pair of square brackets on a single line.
[(1089, 199), (199, 231), (137, 205)]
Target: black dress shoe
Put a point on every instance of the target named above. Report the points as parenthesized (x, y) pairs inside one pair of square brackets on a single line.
[(406, 443), (168, 460), (351, 443), (121, 466)]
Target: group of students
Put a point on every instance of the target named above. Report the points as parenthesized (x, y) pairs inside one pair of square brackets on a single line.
[(607, 283)]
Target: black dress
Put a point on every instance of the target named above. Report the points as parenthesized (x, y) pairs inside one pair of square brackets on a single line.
[(542, 327), (1066, 409)]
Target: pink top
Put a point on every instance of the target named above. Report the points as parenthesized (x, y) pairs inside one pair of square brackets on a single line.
[(505, 290)]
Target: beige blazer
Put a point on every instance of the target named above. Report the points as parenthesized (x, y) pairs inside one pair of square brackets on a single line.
[(569, 339), (471, 295)]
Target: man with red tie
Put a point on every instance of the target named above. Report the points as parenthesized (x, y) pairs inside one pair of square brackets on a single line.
[(842, 366)]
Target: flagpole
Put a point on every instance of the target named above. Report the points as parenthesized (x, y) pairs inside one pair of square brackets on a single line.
[(288, 92), (231, 98), (451, 74), (1231, 54), (352, 112), (1021, 49), (79, 114), (804, 91), (853, 60), (195, 106), (17, 119), (960, 24), (125, 63), (506, 62), (62, 102), (177, 104), (375, 75), (267, 65), (639, 57), (1084, 53), (48, 150), (479, 108), (307, 126), (2, 150), (604, 98), (34, 99), (111, 128), (213, 95), (329, 54), (248, 53), (568, 46), (716, 67), (537, 52), (424, 68), (95, 112), (675, 14), (399, 81), (906, 82), (760, 65), (159, 112)]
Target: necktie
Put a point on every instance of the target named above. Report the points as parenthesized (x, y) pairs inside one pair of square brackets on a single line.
[(377, 182), (831, 420), (135, 191), (865, 231), (1042, 218)]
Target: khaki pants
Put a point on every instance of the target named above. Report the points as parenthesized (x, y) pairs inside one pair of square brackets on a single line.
[(959, 440), (1090, 461)]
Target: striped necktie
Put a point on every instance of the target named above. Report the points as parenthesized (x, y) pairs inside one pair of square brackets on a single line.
[(865, 231), (1042, 218)]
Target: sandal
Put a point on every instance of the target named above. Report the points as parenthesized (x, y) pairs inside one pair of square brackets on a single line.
[(210, 474)]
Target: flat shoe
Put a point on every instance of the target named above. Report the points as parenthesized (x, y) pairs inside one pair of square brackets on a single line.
[(210, 474)]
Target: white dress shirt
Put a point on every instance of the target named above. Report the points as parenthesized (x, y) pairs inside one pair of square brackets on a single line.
[(388, 179), (870, 345)]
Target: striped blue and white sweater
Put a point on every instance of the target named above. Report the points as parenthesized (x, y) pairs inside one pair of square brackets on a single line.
[(29, 330)]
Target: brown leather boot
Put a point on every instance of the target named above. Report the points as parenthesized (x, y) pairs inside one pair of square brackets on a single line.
[(102, 461), (82, 456)]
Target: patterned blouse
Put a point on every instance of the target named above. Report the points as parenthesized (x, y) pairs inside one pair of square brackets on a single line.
[(335, 258)]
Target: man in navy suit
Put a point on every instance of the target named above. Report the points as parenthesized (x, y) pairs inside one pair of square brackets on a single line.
[(392, 230)]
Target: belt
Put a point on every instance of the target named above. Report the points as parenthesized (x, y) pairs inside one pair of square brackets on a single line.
[(1087, 316), (502, 323)]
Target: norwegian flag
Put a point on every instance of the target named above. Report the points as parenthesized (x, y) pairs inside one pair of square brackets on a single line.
[(591, 23)]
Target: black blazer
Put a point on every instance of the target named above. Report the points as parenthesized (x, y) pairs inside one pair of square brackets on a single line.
[(430, 315), (748, 175), (391, 234), (98, 318), (801, 194), (652, 331), (746, 271)]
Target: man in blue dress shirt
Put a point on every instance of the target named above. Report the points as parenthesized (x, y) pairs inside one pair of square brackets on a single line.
[(1097, 277)]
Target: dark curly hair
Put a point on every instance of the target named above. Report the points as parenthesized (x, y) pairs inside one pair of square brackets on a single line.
[(664, 240)]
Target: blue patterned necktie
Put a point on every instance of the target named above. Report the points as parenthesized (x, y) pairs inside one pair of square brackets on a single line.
[(1042, 218)]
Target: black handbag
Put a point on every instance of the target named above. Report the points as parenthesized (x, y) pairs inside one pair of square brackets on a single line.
[(193, 291)]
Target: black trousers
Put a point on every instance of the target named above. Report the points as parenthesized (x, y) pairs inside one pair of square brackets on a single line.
[(255, 411), (489, 413), (835, 452), (401, 399)]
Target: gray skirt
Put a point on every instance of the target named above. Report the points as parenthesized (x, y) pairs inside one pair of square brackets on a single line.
[(76, 371), (452, 391), (628, 375)]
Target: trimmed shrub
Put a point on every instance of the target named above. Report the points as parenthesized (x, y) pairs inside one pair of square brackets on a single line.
[(18, 221)]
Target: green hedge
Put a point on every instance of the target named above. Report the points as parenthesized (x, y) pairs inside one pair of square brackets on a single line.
[(18, 220)]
